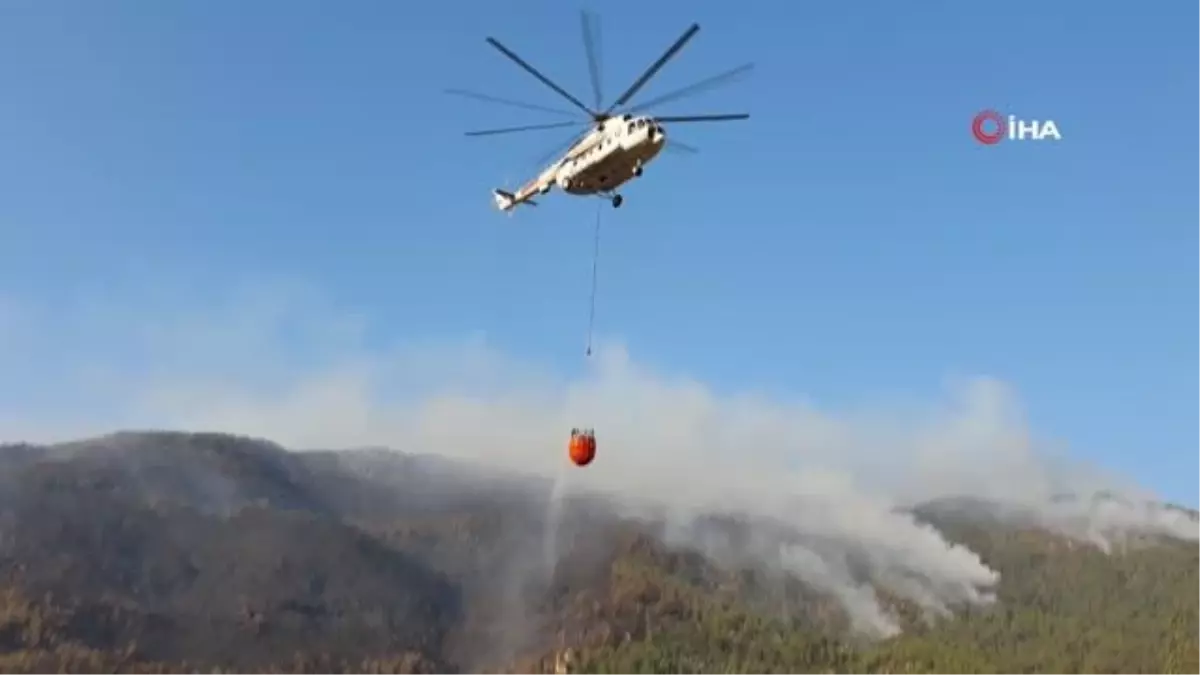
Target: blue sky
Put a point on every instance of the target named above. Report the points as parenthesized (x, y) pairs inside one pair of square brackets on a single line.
[(850, 240)]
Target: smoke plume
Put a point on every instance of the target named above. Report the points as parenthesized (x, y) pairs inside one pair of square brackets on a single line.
[(838, 482)]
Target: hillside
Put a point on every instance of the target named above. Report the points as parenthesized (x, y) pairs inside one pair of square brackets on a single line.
[(177, 552)]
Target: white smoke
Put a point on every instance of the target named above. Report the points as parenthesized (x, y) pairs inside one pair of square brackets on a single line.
[(839, 480)]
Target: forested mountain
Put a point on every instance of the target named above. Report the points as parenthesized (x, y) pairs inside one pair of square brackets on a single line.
[(182, 552)]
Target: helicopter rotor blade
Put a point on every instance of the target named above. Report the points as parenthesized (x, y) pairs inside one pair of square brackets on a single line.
[(701, 118), (531, 127), (695, 88), (505, 101), (544, 80), (655, 67), (591, 46), (559, 149), (676, 146)]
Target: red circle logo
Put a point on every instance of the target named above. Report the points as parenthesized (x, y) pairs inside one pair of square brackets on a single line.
[(983, 135)]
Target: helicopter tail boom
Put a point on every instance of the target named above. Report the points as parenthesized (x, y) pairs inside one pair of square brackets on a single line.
[(504, 200), (507, 201)]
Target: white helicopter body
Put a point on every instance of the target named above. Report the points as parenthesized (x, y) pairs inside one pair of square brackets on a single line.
[(618, 146), (610, 155)]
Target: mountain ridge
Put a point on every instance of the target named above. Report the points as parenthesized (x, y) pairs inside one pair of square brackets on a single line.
[(379, 560)]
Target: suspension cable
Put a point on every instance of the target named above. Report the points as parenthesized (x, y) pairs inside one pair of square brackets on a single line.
[(595, 265)]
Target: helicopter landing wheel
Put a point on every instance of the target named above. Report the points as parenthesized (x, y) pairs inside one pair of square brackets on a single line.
[(617, 200), (637, 171)]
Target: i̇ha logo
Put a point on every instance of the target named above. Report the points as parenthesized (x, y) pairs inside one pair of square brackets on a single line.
[(990, 127)]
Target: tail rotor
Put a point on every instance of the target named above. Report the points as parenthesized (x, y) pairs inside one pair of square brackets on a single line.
[(503, 198)]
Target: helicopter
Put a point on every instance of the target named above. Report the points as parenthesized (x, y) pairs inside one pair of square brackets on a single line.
[(615, 147)]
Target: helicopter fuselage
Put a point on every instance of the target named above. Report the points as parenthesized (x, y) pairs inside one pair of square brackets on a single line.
[(614, 152), (618, 147)]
